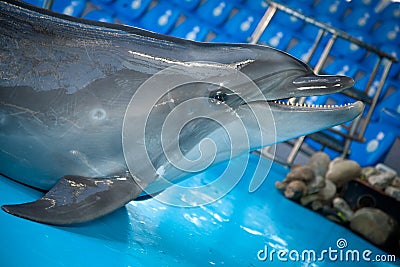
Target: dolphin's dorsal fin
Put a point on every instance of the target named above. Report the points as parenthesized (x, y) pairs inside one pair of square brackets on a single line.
[(76, 199)]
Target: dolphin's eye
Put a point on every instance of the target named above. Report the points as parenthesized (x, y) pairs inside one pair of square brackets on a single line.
[(218, 96)]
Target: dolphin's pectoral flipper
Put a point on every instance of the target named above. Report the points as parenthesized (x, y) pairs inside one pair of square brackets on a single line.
[(76, 199)]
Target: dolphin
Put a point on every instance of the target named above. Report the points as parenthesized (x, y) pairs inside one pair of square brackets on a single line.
[(73, 95)]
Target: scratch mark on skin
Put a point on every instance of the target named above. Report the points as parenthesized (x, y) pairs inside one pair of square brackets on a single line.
[(87, 52), (73, 123), (24, 111), (54, 114), (83, 158)]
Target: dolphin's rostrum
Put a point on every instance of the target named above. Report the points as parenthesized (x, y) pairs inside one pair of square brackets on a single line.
[(69, 108)]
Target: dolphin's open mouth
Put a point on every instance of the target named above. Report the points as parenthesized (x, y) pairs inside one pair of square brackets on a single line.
[(294, 119), (289, 106), (314, 85)]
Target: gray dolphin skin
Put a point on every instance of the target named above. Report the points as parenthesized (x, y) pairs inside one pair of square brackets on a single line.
[(65, 92)]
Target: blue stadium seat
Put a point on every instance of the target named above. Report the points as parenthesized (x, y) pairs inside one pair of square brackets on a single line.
[(341, 67), (161, 18), (242, 25), (222, 38), (131, 9), (316, 100), (187, 4), (332, 8), (106, 2), (302, 49), (363, 3), (215, 12), (38, 3), (310, 31), (237, 1), (191, 29), (99, 15), (298, 3), (360, 18), (259, 6), (379, 136), (72, 8), (291, 21), (392, 11), (368, 63), (106, 5), (332, 99), (393, 50), (276, 36), (361, 85), (387, 32), (391, 102), (344, 48)]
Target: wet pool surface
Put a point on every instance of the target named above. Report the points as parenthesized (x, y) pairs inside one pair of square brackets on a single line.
[(233, 231)]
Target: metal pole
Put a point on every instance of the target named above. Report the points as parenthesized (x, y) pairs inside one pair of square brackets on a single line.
[(262, 25), (376, 96), (296, 148), (314, 47), (47, 4)]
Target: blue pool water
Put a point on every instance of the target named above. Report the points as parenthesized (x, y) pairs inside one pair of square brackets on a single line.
[(228, 232)]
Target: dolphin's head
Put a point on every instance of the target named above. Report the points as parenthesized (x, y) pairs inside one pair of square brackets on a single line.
[(279, 76)]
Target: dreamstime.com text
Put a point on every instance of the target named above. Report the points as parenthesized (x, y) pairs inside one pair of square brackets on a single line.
[(338, 254)]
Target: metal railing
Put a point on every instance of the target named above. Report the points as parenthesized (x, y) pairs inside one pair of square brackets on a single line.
[(358, 126)]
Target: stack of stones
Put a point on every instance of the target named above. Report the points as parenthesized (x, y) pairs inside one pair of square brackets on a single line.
[(318, 184), (383, 179)]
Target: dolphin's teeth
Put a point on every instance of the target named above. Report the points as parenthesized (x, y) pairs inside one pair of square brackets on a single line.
[(310, 105)]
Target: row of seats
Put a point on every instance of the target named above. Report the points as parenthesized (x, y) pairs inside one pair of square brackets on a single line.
[(235, 20), (211, 20), (361, 18)]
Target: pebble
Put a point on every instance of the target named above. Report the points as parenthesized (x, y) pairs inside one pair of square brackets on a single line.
[(396, 182), (393, 192), (301, 172), (319, 163), (316, 184), (381, 180), (295, 189), (374, 224), (342, 206), (328, 191), (368, 171), (341, 171)]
